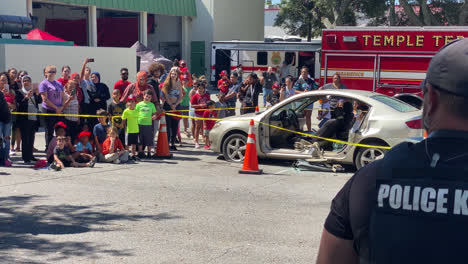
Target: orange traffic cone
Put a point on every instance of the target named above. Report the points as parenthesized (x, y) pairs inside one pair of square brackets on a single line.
[(257, 109), (162, 149), (250, 159)]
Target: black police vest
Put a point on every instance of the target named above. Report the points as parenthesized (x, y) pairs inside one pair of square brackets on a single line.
[(420, 213)]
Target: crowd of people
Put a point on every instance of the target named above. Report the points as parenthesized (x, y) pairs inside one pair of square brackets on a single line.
[(86, 122)]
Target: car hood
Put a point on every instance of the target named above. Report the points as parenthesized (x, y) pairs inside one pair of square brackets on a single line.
[(254, 116)]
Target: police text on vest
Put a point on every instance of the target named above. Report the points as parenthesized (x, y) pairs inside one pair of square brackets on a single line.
[(424, 199)]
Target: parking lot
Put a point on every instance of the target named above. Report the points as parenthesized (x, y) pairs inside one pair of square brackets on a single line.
[(194, 208)]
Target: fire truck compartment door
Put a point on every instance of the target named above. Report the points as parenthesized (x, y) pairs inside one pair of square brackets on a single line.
[(357, 71), (401, 72)]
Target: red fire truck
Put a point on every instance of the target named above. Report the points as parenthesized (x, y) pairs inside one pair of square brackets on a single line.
[(388, 60)]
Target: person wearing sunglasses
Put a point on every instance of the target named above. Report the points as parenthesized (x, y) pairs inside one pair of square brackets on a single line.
[(122, 84), (52, 100)]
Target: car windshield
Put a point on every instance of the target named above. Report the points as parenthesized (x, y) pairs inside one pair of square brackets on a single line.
[(394, 103), (297, 104)]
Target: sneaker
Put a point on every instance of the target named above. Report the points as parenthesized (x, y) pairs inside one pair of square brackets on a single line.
[(117, 161), (141, 155), (34, 159), (12, 152), (206, 147), (92, 162), (148, 156), (197, 146), (54, 166), (173, 148), (135, 158), (8, 163)]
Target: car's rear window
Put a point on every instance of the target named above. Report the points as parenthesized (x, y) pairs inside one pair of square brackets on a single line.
[(394, 103)]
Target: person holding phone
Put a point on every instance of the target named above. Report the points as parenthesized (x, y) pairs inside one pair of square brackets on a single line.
[(71, 107), (87, 86)]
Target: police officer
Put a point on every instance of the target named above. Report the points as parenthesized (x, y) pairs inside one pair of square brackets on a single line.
[(412, 206)]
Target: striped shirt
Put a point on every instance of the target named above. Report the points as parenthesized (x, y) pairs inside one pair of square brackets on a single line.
[(71, 109)]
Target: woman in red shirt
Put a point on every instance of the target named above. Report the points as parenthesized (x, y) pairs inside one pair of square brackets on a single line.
[(198, 102), (66, 70)]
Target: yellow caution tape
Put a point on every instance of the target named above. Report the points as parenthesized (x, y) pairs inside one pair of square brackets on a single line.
[(218, 119), (288, 130)]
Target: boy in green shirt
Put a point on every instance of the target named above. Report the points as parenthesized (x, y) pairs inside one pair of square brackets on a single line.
[(130, 120), (146, 115)]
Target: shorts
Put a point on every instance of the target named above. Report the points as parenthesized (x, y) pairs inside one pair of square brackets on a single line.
[(184, 110), (192, 112), (66, 163), (132, 139), (206, 132), (146, 135)]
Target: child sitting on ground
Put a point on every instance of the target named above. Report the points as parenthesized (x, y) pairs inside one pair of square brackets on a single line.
[(116, 109), (60, 131), (100, 132), (113, 149), (130, 120), (63, 157), (208, 124), (83, 147)]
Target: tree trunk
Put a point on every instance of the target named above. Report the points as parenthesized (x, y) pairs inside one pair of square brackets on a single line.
[(339, 11), (428, 17), (463, 17), (309, 29), (392, 13), (413, 18)]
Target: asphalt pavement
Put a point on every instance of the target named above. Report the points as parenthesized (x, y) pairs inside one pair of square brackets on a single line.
[(194, 208)]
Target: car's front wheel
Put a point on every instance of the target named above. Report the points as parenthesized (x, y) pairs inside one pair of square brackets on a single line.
[(234, 148), (366, 156)]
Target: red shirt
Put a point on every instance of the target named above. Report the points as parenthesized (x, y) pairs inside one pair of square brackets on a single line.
[(62, 81), (121, 86), (209, 124), (198, 99), (107, 143), (221, 81), (10, 97)]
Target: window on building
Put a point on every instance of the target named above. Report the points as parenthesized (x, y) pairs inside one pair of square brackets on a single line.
[(262, 58)]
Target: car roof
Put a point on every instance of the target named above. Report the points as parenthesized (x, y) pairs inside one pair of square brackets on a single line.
[(363, 96)]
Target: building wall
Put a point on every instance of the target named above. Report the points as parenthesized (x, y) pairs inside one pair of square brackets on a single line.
[(13, 7), (59, 12), (203, 28), (168, 29), (33, 58), (238, 20)]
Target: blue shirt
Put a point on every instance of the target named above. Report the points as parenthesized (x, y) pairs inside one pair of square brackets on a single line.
[(79, 147), (100, 131)]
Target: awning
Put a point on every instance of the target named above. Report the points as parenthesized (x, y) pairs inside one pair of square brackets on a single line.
[(163, 7), (37, 34)]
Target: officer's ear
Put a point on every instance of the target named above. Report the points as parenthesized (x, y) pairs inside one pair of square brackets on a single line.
[(431, 99)]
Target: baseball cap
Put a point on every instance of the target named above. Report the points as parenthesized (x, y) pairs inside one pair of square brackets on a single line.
[(448, 69), (182, 62), (223, 73), (276, 85), (60, 124), (131, 98), (84, 134)]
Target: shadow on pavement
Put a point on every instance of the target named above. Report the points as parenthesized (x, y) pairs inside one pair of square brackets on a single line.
[(21, 225)]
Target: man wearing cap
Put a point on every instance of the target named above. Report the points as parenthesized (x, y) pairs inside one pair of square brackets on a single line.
[(412, 205)]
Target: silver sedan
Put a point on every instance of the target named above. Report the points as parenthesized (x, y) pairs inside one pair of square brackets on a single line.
[(387, 122)]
